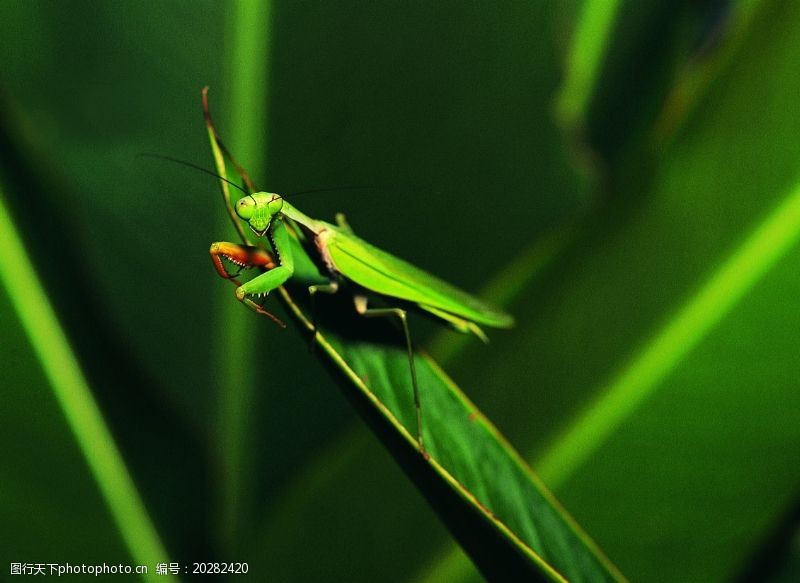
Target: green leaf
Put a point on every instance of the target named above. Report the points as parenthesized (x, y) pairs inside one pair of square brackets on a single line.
[(78, 406), (75, 188), (248, 67), (470, 457), (595, 21)]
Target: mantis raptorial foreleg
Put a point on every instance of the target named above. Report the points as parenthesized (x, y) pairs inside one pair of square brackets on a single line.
[(360, 302), (277, 276), (244, 257)]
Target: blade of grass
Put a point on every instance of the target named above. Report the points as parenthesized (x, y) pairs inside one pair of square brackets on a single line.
[(699, 73), (725, 287), (548, 537), (588, 47), (75, 399), (249, 59)]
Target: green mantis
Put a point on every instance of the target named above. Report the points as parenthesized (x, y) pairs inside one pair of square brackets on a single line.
[(330, 258)]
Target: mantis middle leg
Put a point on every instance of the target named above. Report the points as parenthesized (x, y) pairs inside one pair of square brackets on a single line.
[(360, 302), (321, 288)]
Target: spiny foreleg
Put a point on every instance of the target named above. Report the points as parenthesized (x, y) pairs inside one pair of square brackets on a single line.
[(243, 257)]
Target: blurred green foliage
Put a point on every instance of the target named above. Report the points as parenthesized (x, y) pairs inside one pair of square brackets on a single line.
[(684, 147)]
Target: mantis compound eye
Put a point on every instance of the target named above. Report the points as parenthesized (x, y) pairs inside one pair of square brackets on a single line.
[(245, 208)]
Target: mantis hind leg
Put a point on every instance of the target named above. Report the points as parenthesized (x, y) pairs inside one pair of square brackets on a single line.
[(361, 307), (459, 324)]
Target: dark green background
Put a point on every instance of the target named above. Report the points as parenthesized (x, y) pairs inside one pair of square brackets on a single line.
[(450, 107)]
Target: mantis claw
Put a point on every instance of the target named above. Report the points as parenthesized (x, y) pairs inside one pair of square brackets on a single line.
[(260, 310)]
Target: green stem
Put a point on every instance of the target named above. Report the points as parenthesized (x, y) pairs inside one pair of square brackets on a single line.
[(63, 371), (247, 115), (660, 355), (588, 48)]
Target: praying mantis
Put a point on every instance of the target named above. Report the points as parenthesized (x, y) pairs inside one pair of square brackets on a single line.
[(330, 258)]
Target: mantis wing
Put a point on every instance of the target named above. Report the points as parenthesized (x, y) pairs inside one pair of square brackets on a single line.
[(383, 273)]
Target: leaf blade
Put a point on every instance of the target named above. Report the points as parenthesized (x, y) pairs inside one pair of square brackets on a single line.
[(75, 398), (771, 239), (249, 59)]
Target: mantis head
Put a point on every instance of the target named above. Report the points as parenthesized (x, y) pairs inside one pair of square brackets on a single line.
[(258, 209)]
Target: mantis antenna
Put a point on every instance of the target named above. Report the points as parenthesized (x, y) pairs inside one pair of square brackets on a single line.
[(190, 165), (236, 186)]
